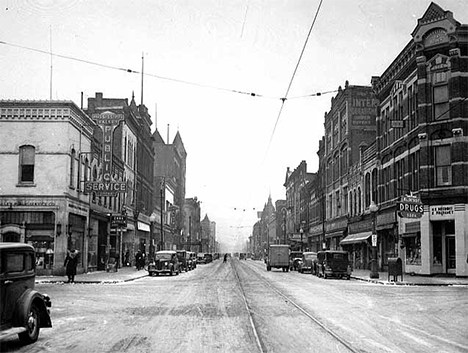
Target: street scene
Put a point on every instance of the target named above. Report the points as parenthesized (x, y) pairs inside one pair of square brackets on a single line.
[(238, 306), (233, 176)]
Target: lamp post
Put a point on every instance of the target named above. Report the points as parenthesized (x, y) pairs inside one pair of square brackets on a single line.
[(151, 249), (301, 230), (374, 273)]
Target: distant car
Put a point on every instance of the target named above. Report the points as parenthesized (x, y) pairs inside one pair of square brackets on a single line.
[(208, 258), (183, 263), (242, 256), (164, 262), (295, 257), (308, 263), (24, 311), (201, 258)]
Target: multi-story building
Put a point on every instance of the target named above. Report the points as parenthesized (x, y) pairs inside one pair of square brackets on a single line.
[(349, 123), (422, 147), (45, 157), (170, 170), (191, 229), (132, 157), (297, 204)]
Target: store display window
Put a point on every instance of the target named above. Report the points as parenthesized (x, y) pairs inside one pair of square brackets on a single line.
[(413, 249), (44, 253)]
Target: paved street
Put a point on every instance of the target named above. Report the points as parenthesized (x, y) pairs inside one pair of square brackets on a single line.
[(238, 307)]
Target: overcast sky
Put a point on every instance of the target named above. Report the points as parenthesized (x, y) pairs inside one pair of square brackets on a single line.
[(202, 58)]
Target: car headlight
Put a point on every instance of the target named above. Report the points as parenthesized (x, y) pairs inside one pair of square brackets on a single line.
[(165, 264)]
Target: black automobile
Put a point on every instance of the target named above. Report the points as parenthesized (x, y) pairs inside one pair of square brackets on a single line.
[(164, 262), (183, 262), (295, 258), (24, 311)]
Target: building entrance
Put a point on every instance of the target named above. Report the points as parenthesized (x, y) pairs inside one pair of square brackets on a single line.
[(450, 257)]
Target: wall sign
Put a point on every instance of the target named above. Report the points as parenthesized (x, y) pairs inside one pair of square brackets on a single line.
[(410, 207), (107, 185), (442, 212)]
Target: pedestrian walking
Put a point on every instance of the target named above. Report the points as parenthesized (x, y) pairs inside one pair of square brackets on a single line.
[(70, 264), (225, 257), (138, 259)]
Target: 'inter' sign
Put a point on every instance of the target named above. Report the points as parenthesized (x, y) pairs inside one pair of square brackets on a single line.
[(410, 207)]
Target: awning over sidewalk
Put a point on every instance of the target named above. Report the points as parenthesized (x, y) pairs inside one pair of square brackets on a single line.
[(356, 238)]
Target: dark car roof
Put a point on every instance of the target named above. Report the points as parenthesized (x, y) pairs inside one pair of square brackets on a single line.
[(16, 246)]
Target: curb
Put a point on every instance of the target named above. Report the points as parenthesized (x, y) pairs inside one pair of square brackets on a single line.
[(408, 284), (105, 281)]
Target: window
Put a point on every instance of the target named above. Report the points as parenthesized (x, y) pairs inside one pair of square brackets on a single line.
[(27, 158), (367, 189), (441, 102), (443, 166), (72, 167), (345, 200)]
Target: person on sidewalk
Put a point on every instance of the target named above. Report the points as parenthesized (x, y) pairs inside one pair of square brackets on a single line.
[(138, 259), (70, 264)]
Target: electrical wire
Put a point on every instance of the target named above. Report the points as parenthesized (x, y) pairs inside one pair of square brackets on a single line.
[(131, 71), (292, 79)]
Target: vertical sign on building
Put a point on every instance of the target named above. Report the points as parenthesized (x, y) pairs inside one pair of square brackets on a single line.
[(107, 185)]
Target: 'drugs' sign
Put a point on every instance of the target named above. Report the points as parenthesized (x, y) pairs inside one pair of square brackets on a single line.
[(410, 207), (107, 186)]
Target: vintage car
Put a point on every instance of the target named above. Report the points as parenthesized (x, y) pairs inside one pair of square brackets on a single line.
[(24, 311), (331, 263), (165, 261), (308, 263), (201, 258), (295, 257), (208, 258), (183, 262)]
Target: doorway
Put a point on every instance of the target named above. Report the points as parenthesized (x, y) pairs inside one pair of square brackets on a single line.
[(450, 255)]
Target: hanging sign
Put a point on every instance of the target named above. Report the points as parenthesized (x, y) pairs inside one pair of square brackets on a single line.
[(410, 207), (107, 185)]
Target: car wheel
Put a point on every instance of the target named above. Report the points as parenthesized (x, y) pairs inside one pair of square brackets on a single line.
[(31, 325)]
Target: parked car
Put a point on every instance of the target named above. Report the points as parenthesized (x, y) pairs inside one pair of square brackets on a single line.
[(201, 258), (165, 261), (278, 257), (208, 258), (242, 256), (295, 257), (183, 263), (333, 263), (308, 263), (24, 311)]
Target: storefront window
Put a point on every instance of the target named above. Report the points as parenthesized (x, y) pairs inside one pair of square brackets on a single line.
[(413, 250), (44, 253)]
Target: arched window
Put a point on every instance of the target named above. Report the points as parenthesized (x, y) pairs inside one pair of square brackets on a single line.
[(359, 200), (27, 156), (367, 189), (374, 185)]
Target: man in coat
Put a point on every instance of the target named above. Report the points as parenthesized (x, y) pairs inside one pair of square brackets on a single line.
[(70, 265)]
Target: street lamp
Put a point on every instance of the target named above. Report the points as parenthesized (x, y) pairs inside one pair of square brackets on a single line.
[(374, 273), (301, 230), (152, 220)]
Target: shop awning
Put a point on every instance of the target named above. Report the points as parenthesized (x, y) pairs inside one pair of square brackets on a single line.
[(356, 238)]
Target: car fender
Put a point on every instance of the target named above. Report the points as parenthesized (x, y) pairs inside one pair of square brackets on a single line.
[(23, 305)]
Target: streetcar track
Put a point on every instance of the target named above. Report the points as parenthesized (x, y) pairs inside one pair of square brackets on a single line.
[(289, 300), (258, 341)]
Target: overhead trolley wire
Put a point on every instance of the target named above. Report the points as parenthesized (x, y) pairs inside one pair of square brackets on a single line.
[(127, 70), (283, 100)]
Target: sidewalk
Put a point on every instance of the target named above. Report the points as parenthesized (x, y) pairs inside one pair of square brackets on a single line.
[(409, 280), (123, 274)]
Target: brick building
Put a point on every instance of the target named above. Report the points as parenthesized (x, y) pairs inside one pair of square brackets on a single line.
[(422, 146)]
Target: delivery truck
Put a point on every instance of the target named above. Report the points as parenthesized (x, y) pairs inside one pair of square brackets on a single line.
[(278, 257)]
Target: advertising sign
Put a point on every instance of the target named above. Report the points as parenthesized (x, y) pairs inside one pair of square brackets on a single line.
[(107, 185), (410, 207)]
